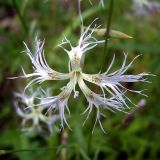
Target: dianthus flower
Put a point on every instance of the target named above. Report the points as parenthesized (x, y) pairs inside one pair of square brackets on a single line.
[(113, 96), (145, 7), (33, 117)]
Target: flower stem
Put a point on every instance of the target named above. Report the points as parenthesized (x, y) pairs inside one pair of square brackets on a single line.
[(59, 148), (108, 25), (21, 18), (91, 133), (111, 5)]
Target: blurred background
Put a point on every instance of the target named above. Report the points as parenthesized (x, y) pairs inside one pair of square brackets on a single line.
[(135, 136)]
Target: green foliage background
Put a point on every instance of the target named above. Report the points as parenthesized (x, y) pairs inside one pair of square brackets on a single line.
[(134, 138)]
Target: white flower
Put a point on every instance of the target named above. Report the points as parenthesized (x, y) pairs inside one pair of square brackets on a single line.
[(113, 92), (32, 115), (101, 2), (141, 3), (144, 7)]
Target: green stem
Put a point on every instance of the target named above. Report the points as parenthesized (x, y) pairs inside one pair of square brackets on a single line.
[(90, 131), (20, 16), (57, 149), (103, 66), (25, 150), (105, 53)]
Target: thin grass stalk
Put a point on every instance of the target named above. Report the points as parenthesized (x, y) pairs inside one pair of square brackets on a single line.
[(108, 26), (57, 149), (21, 18)]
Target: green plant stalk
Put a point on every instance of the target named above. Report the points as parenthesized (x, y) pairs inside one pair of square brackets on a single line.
[(111, 5), (91, 133), (25, 150), (108, 26), (57, 149), (20, 16)]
